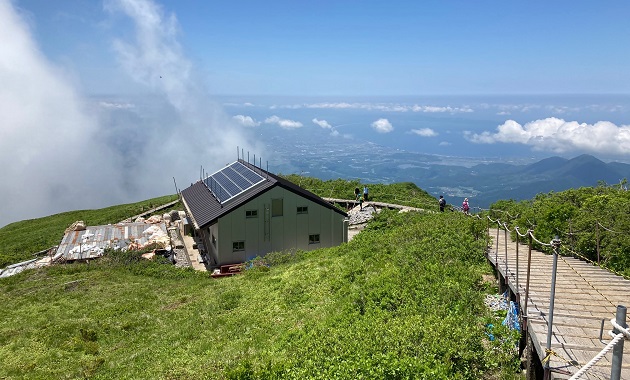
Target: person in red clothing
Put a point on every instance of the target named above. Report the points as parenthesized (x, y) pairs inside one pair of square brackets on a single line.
[(465, 206)]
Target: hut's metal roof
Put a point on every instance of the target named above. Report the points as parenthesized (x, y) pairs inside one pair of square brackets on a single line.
[(90, 243), (204, 208)]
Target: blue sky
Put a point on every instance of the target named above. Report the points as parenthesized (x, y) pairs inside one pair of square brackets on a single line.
[(360, 47), (104, 102)]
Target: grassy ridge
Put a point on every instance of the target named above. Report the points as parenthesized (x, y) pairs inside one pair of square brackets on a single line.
[(403, 193), (404, 299), (20, 239), (588, 220)]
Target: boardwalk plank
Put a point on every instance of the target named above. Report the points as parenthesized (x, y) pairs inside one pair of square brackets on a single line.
[(585, 294)]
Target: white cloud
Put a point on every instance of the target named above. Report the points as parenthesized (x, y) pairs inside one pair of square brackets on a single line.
[(60, 151), (326, 125), (232, 104), (382, 126), (322, 123), (117, 105), (385, 107), (434, 109), (283, 123), (51, 152), (445, 143), (558, 135), (246, 121), (424, 132)]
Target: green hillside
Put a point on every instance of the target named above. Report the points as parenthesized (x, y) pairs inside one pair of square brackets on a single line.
[(19, 240), (587, 220), (403, 299)]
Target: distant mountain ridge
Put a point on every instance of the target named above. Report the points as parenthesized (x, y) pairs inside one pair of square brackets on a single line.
[(584, 169), (456, 177), (550, 174)]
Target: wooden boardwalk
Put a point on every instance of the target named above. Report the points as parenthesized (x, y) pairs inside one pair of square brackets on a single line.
[(585, 295)]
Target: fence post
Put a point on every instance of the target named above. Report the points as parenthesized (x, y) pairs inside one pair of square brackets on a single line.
[(597, 238), (556, 248), (507, 276), (518, 291), (529, 268), (496, 259), (617, 359), (488, 235), (496, 251)]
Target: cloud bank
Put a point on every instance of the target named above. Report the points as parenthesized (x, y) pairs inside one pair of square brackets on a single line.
[(48, 142), (61, 151), (385, 107), (560, 136)]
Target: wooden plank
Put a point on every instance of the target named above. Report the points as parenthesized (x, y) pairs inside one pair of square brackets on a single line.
[(585, 294)]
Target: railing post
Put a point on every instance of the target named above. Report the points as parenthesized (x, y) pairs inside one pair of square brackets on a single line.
[(556, 249), (496, 260), (507, 276), (617, 359), (517, 289), (496, 251), (529, 268), (597, 239), (487, 236)]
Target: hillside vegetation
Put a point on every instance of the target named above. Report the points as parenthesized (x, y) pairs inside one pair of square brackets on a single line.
[(583, 219), (19, 240), (404, 299), (403, 193)]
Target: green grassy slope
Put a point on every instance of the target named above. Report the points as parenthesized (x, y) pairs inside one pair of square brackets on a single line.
[(588, 220), (404, 299), (404, 193), (18, 241)]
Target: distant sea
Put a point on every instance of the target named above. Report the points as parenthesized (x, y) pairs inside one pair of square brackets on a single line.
[(378, 139), (320, 127)]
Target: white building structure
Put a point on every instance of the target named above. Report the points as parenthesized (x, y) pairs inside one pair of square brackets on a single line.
[(243, 211)]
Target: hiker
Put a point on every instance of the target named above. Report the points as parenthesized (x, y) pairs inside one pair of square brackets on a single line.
[(358, 198), (465, 206), (442, 203), (365, 193)]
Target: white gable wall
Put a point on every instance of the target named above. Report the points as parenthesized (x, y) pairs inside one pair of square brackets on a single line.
[(265, 233)]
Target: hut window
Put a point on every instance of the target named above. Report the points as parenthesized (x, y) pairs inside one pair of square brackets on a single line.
[(277, 207), (313, 239)]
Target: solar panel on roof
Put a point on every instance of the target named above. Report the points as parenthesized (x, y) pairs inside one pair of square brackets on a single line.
[(246, 172), (232, 181), (226, 183)]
